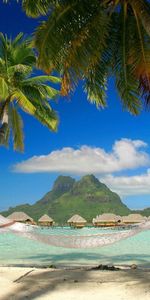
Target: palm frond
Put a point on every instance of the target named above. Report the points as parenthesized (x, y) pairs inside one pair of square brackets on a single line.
[(24, 55), (39, 91), (49, 92), (18, 39), (23, 102), (3, 46), (3, 89), (48, 36), (36, 8), (142, 9), (96, 79), (125, 62), (46, 115), (43, 78), (69, 41), (143, 65), (81, 47)]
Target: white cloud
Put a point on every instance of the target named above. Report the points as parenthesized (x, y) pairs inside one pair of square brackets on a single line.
[(125, 154), (132, 185)]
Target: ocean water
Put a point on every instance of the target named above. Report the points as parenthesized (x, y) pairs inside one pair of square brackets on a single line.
[(16, 250)]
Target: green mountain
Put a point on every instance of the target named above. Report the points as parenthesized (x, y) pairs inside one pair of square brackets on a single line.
[(87, 197)]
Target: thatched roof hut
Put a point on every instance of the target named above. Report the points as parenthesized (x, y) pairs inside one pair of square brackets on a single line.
[(133, 219), (77, 221), (107, 220), (19, 216), (71, 219), (5, 222), (45, 220)]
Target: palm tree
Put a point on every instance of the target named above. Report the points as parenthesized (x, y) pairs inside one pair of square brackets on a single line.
[(19, 89), (93, 40)]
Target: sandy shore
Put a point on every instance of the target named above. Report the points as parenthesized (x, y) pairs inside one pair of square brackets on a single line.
[(50, 284)]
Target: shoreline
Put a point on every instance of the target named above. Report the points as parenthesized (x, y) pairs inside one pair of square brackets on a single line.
[(77, 266)]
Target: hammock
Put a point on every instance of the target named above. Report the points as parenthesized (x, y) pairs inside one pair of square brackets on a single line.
[(70, 241)]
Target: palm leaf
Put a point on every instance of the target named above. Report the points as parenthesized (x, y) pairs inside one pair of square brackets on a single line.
[(51, 93), (23, 102), (17, 39), (34, 90), (143, 65), (42, 78), (47, 116), (36, 8), (142, 9), (3, 89), (125, 62)]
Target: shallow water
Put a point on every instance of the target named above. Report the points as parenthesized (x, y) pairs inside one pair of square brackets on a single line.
[(16, 250)]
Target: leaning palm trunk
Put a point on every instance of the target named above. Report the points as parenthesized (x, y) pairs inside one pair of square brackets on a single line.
[(4, 126)]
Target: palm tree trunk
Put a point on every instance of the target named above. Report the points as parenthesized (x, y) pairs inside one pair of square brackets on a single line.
[(4, 126)]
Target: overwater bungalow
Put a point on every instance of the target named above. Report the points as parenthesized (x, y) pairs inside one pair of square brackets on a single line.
[(77, 221), (133, 219), (45, 220), (107, 220), (19, 216)]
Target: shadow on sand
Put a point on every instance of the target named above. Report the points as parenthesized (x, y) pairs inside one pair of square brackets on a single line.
[(42, 282)]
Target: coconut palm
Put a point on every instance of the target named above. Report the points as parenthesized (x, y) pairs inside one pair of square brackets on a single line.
[(20, 90), (93, 40)]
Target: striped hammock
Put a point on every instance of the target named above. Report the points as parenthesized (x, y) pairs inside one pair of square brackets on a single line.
[(67, 240)]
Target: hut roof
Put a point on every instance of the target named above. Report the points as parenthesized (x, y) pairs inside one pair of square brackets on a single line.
[(108, 217), (3, 220), (19, 216), (133, 218), (45, 218), (76, 219)]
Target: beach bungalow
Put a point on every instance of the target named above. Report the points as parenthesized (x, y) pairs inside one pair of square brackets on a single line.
[(19, 216), (45, 220), (77, 221), (70, 221), (107, 220), (133, 219)]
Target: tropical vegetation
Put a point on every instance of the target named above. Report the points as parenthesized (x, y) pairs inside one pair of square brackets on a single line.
[(21, 90), (93, 40)]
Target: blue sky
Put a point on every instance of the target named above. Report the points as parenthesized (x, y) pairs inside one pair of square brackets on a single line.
[(110, 143)]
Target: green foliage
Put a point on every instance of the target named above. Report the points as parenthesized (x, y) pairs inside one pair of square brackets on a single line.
[(92, 40), (144, 212), (19, 89), (87, 197)]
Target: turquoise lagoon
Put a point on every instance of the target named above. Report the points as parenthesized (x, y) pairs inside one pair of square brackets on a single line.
[(16, 250)]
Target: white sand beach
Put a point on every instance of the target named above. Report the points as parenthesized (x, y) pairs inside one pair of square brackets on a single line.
[(19, 283)]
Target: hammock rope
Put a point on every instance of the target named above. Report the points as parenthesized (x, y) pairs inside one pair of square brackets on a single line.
[(67, 240)]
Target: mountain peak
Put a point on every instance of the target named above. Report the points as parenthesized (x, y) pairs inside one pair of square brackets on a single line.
[(63, 183), (90, 178)]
